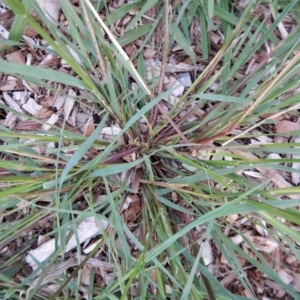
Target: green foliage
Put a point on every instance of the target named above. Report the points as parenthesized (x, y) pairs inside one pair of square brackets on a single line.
[(167, 256)]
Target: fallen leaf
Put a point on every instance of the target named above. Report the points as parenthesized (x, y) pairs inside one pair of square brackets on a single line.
[(149, 53), (15, 57), (285, 126)]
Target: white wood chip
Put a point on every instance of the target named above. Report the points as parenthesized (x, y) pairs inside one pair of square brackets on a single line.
[(75, 56), (127, 203), (284, 33), (10, 120), (50, 7), (179, 88), (69, 103), (153, 69), (2, 3), (268, 173), (261, 230), (265, 139), (51, 121), (90, 248), (29, 86), (263, 244), (114, 130), (296, 165), (109, 133), (13, 104), (254, 174), (10, 84), (168, 289), (4, 32), (291, 259), (32, 107), (207, 254), (237, 239), (43, 239), (59, 101), (19, 96), (86, 275), (185, 79), (274, 156), (87, 229), (232, 218), (285, 277), (48, 58)]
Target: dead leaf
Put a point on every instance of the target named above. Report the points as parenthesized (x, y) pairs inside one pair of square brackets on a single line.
[(296, 282), (149, 53), (15, 57), (286, 126), (130, 50)]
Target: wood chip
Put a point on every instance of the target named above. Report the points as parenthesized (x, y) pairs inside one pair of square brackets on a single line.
[(296, 165), (51, 121), (13, 104), (50, 7), (269, 173), (32, 107), (87, 229), (263, 244), (69, 103), (285, 277), (207, 253)]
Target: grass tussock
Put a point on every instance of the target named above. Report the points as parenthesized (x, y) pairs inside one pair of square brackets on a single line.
[(150, 149)]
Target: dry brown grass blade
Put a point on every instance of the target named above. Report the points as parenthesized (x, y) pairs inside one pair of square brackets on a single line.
[(283, 73), (153, 114), (93, 36), (119, 48), (273, 116), (269, 173), (133, 69)]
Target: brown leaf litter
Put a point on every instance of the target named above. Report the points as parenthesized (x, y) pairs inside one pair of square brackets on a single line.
[(40, 108)]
